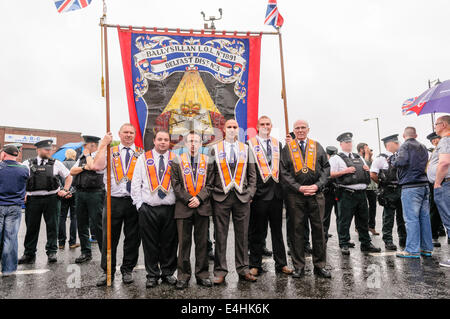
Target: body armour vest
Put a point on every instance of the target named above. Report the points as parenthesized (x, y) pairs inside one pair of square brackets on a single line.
[(42, 177), (88, 180), (360, 176), (388, 176)]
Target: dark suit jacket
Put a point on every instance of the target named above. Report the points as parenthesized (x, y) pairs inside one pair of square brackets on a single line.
[(182, 210), (292, 182), (215, 184), (269, 189)]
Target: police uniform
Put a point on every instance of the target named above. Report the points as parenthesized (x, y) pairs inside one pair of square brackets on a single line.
[(389, 196), (352, 199), (42, 199), (89, 202), (154, 199), (437, 228), (267, 204), (304, 163), (330, 197)]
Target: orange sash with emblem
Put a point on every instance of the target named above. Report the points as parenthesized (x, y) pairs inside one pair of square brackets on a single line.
[(300, 163), (194, 186), (228, 181), (266, 171), (152, 174), (118, 167)]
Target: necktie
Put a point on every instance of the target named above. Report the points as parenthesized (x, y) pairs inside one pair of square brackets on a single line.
[(269, 152), (194, 166), (232, 159), (302, 146), (127, 161), (42, 162), (161, 170)]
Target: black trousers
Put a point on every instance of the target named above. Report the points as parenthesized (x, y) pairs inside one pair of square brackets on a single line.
[(372, 203), (393, 211), (240, 213), (36, 206), (123, 212), (184, 226), (353, 204), (435, 218), (67, 204), (330, 203), (89, 207), (264, 212), (303, 209), (159, 239)]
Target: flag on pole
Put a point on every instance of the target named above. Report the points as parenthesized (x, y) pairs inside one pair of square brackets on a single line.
[(273, 17), (70, 5), (407, 105)]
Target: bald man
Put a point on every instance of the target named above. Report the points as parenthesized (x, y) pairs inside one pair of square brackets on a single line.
[(232, 189), (304, 173)]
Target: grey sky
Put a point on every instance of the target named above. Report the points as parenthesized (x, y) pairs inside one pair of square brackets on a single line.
[(346, 60)]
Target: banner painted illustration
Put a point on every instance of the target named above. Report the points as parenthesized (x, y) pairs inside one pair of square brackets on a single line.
[(185, 81)]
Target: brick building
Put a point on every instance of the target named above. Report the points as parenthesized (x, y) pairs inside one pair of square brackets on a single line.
[(28, 136)]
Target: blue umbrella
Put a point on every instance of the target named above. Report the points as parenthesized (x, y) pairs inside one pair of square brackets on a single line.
[(60, 154), (433, 100)]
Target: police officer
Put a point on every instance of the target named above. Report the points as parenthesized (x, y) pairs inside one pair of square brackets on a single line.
[(89, 197), (352, 176), (383, 173), (329, 192), (43, 190), (437, 229)]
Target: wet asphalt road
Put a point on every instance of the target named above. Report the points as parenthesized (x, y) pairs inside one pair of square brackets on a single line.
[(356, 276)]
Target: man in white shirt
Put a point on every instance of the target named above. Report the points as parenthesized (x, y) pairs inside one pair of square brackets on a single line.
[(43, 192), (352, 176), (154, 198), (385, 175), (123, 212)]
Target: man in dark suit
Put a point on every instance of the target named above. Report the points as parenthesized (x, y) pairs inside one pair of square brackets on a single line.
[(232, 188), (267, 204), (192, 210), (304, 171)]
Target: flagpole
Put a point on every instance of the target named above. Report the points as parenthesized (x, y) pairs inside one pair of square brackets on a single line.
[(108, 155), (283, 83)]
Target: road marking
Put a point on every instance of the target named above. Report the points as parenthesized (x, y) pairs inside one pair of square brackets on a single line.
[(30, 272), (382, 254)]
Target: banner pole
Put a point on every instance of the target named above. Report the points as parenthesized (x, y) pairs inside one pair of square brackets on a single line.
[(283, 84), (108, 163)]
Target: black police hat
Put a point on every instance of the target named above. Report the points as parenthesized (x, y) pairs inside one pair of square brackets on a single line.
[(91, 139), (390, 138), (432, 136), (11, 150), (331, 150), (345, 137), (44, 144)]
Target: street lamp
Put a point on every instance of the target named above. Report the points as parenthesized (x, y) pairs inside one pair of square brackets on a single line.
[(378, 130)]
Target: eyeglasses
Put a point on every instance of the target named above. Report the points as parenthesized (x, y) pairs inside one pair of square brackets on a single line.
[(438, 123)]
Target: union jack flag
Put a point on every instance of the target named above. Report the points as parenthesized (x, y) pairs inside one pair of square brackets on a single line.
[(70, 5), (273, 17), (407, 105)]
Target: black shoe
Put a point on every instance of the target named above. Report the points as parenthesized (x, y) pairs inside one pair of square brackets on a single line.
[(308, 249), (204, 282), (390, 246), (211, 254), (442, 232), (266, 252), (345, 250), (289, 252), (151, 283), (322, 272), (329, 235), (298, 273), (83, 258), (370, 248), (103, 279), (27, 259), (402, 244), (448, 240), (171, 280), (436, 243), (181, 284), (52, 258), (351, 244), (127, 278)]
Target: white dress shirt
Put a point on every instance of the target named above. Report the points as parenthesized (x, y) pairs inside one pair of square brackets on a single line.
[(77, 163), (337, 164), (119, 190), (140, 187), (58, 169), (227, 146), (380, 163), (263, 141)]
